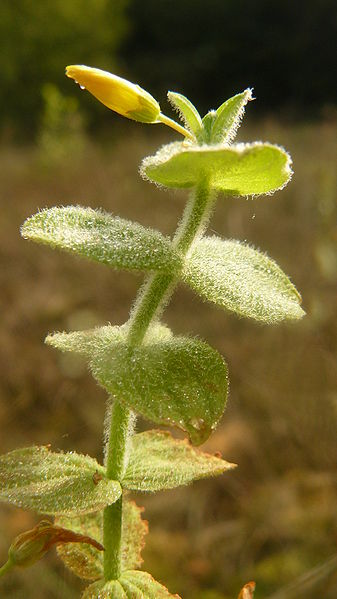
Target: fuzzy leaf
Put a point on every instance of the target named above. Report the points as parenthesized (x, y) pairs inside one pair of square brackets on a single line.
[(179, 381), (240, 170), (87, 562), (241, 279), (228, 117), (132, 584), (55, 483), (175, 381), (187, 112), (101, 237), (158, 461), (170, 380)]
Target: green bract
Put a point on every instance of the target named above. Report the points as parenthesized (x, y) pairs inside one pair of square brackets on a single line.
[(158, 461), (239, 278), (55, 483), (101, 237), (132, 584), (85, 560), (241, 170)]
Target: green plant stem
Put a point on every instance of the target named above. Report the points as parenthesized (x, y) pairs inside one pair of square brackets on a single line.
[(158, 288), (120, 430), (151, 300), (6, 568), (171, 123)]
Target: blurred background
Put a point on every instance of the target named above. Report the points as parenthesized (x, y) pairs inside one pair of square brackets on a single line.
[(274, 518)]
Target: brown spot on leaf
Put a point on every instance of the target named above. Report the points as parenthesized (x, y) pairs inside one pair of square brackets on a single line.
[(96, 477)]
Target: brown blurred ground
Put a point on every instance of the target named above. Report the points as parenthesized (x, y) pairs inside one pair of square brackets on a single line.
[(274, 518)]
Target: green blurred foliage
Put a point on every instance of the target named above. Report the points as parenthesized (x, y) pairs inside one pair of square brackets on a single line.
[(62, 129), (39, 39)]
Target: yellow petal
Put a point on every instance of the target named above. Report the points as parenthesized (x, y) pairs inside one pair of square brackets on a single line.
[(116, 93)]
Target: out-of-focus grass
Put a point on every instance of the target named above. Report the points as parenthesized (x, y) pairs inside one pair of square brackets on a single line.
[(273, 518)]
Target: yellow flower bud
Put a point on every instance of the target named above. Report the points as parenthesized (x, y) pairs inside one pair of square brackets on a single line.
[(116, 93)]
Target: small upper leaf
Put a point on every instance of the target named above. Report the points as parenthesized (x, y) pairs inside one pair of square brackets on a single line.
[(92, 342), (133, 584), (241, 279), (101, 237), (241, 170), (170, 380), (87, 343), (228, 117), (55, 483), (86, 561), (187, 112), (158, 461)]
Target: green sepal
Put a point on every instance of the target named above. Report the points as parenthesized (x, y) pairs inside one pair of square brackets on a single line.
[(87, 562), (228, 117), (118, 243), (132, 584), (55, 483), (187, 112), (175, 381), (241, 279), (158, 461), (239, 170)]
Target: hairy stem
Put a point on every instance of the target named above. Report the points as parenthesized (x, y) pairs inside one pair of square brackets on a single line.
[(151, 300), (120, 431), (158, 288)]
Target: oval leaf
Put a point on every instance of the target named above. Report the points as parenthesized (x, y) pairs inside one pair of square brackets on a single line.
[(241, 279), (158, 461), (55, 483), (179, 382), (131, 585), (241, 170), (101, 237), (175, 381), (87, 562)]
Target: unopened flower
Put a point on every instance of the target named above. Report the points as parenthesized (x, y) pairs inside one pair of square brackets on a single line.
[(31, 545), (118, 94), (122, 96)]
